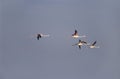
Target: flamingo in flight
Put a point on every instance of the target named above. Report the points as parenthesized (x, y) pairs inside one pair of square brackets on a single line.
[(39, 35), (80, 43), (93, 45), (75, 35)]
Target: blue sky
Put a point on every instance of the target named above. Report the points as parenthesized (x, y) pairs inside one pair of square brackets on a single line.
[(23, 57)]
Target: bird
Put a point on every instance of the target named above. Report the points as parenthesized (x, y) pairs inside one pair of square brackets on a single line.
[(75, 35), (80, 43), (93, 45), (40, 35)]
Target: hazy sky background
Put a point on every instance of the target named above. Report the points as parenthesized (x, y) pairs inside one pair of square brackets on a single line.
[(24, 57)]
